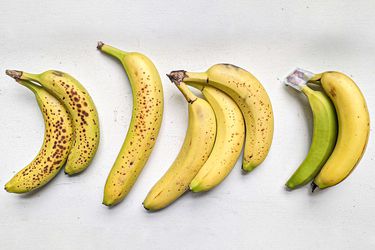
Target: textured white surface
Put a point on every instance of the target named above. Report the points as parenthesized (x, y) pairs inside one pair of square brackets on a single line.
[(269, 38)]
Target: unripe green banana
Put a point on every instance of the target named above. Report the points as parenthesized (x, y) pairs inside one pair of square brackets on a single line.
[(324, 134), (251, 98), (354, 127), (228, 143), (197, 146), (144, 126), (78, 102), (58, 137)]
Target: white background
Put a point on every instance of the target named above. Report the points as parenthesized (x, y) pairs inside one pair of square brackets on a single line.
[(269, 38)]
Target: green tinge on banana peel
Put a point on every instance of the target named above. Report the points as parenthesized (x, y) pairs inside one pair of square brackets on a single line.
[(323, 140)]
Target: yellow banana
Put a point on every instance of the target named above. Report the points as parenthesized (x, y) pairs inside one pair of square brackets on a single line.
[(228, 144), (144, 127), (58, 137), (197, 146), (353, 123), (81, 108), (251, 98)]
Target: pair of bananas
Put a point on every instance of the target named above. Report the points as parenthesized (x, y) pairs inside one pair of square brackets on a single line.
[(236, 103), (71, 128), (341, 128)]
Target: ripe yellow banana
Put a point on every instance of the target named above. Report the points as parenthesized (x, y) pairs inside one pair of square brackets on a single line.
[(197, 146), (58, 137), (353, 123), (144, 126), (81, 108), (251, 98), (228, 144)]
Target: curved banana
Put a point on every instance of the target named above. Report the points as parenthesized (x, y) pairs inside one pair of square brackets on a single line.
[(58, 137), (78, 102), (228, 143), (144, 126), (354, 127), (324, 136), (251, 98), (197, 146)]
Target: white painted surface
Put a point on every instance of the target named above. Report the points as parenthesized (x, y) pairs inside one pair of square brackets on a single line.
[(252, 211)]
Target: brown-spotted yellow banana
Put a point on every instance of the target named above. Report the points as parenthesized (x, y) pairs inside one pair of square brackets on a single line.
[(58, 138), (228, 143), (82, 110), (353, 123), (251, 98), (196, 148), (144, 126)]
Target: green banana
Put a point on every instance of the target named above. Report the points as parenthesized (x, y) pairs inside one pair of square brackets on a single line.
[(324, 137), (78, 102), (144, 126), (57, 143)]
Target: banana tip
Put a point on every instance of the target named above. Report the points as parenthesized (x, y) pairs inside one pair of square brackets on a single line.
[(100, 45), (313, 187)]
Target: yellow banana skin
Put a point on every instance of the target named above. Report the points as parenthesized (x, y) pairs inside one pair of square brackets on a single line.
[(57, 142), (197, 146), (251, 98), (353, 123), (228, 143), (144, 126), (82, 109)]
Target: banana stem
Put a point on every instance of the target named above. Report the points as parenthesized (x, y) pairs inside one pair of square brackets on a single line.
[(178, 76), (119, 54), (21, 75), (28, 84), (189, 96), (196, 85)]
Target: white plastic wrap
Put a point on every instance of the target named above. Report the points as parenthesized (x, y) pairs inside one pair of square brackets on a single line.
[(298, 78)]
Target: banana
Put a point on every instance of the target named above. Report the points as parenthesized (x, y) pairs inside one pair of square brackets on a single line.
[(324, 133), (228, 144), (251, 98), (197, 146), (144, 126), (81, 108), (57, 142), (353, 123)]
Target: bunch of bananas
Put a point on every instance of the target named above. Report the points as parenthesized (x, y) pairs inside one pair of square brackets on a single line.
[(236, 103), (71, 128), (236, 112), (341, 128)]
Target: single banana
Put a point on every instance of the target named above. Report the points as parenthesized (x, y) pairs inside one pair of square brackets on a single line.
[(81, 108), (324, 133), (197, 146), (251, 98), (144, 126), (58, 137), (228, 144), (354, 127)]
